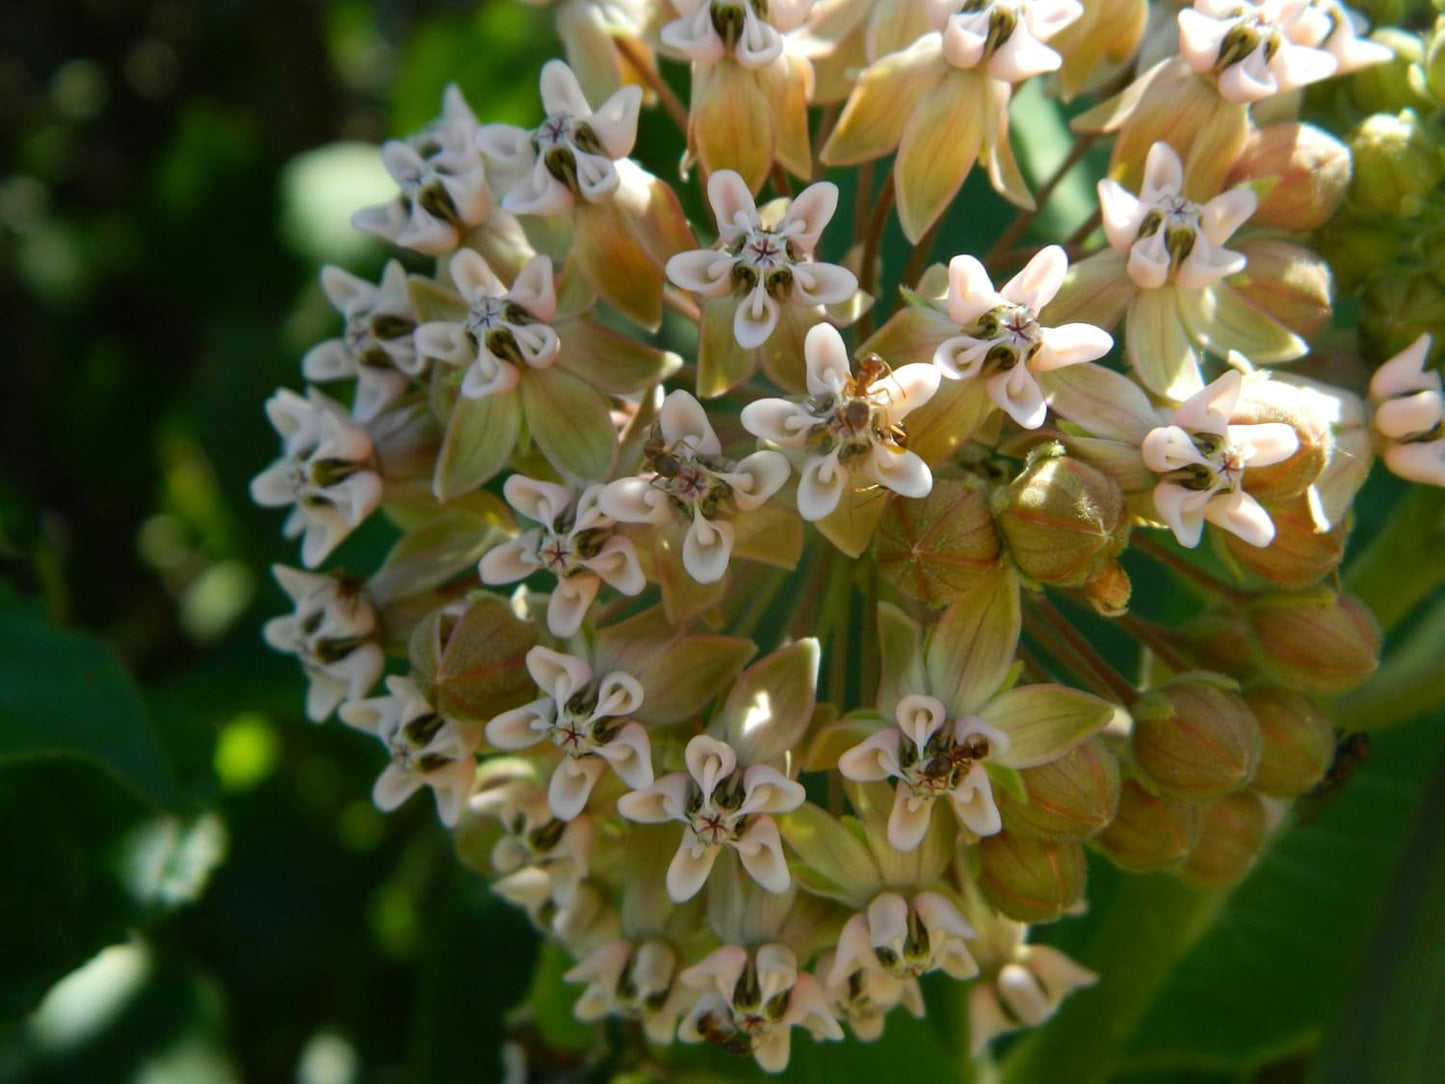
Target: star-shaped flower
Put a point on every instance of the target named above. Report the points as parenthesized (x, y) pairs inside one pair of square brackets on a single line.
[(1022, 985), (905, 939), (376, 349), (1249, 47), (750, 31), (333, 632), (1005, 37), (1410, 415), (636, 981)]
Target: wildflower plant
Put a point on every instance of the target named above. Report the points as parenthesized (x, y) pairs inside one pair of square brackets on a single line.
[(782, 726)]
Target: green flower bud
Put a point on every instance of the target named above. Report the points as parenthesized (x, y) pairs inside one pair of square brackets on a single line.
[(1195, 737), (1219, 640), (1109, 593), (1307, 170), (1233, 834), (473, 665), (1398, 307), (1031, 880), (1288, 282), (1391, 86), (1299, 742), (1398, 166), (1357, 245), (1150, 831), (936, 548), (1299, 556), (1316, 642), (1435, 60), (1070, 798), (1064, 521)]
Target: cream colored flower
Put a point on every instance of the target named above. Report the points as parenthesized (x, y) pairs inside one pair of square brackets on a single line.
[(1410, 415), (905, 939), (376, 349), (749, 31), (1249, 47), (636, 981), (333, 632), (1021, 986)]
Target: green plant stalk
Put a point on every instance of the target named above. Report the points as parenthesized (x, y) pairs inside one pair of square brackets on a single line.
[(1401, 566)]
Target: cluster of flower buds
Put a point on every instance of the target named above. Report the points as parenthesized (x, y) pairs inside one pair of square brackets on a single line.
[(747, 783)]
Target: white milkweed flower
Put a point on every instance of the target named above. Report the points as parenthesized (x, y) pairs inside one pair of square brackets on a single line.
[(504, 328), (721, 805), (586, 719), (1250, 47), (571, 154), (931, 757), (864, 996), (1201, 460), (426, 748), (634, 980), (1021, 986), (752, 1000), (535, 843), (1004, 37), (443, 184), (1002, 340), (333, 632), (848, 425), (376, 349), (764, 265), (1410, 415), (575, 542), (688, 479), (906, 939), (750, 31), (1331, 26), (325, 471)]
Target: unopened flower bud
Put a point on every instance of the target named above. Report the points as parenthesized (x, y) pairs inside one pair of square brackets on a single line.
[(1435, 59), (1263, 401), (1299, 742), (936, 548), (1150, 831), (1029, 879), (1387, 87), (1064, 521), (1317, 642), (472, 665), (1072, 797), (1309, 170), (1195, 737), (1233, 834), (1219, 640), (1300, 556), (1401, 306), (1109, 593), (1288, 282), (1357, 245), (1398, 167)]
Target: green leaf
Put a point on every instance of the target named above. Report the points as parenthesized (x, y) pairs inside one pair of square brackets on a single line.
[(63, 694), (480, 437), (970, 650), (569, 420), (900, 647), (1044, 721)]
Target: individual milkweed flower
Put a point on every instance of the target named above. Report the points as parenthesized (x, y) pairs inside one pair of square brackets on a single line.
[(1021, 985), (1249, 49), (750, 85), (586, 718), (376, 349), (534, 841), (863, 997), (426, 749), (1201, 460), (849, 427), (636, 981), (943, 102), (326, 470), (575, 541), (1410, 415), (752, 1000), (333, 633), (722, 805), (905, 939), (503, 328), (1003, 342), (687, 480), (443, 184), (1335, 28), (1164, 273), (590, 31), (764, 275)]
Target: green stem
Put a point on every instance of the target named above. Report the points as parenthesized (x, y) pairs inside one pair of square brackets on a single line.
[(1024, 219), (1118, 688), (1150, 923), (1211, 586), (1401, 566)]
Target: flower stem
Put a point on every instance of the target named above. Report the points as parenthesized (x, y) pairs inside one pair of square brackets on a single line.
[(1022, 222), (827, 119), (917, 261), (1106, 676), (1157, 640), (1088, 226), (781, 185), (1212, 586), (644, 67)]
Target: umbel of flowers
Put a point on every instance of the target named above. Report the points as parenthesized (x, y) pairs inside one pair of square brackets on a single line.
[(779, 714)]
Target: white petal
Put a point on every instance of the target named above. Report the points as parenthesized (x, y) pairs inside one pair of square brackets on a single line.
[(732, 206), (615, 121), (909, 387), (1405, 372), (1163, 173), (781, 421), (827, 360), (1182, 510), (571, 785), (908, 820), (617, 564), (919, 717), (1265, 444), (635, 500), (970, 291), (1422, 462), (683, 421), (1038, 282), (534, 290), (444, 341), (690, 866), (706, 548), (1070, 344), (757, 478), (709, 762), (755, 318), (974, 805), (569, 603), (630, 754), (822, 284), (474, 279), (761, 850), (767, 790), (1122, 215), (1241, 515), (1017, 394), (561, 93), (1020, 991), (521, 727), (556, 674), (902, 471), (820, 486), (873, 759), (665, 800), (809, 213), (704, 271)]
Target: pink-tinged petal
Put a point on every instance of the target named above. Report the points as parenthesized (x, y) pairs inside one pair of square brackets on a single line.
[(1209, 410), (1207, 264), (809, 214), (1150, 262), (636, 500), (704, 271), (487, 376), (919, 717), (1122, 215), (538, 193), (537, 343), (569, 602), (908, 820), (732, 206), (1298, 66), (445, 342), (822, 284), (1017, 394), (597, 177), (709, 761), (1182, 511), (781, 421), (1020, 991), (1169, 448), (561, 93), (473, 278), (539, 501), (616, 563), (1163, 173), (694, 36), (829, 367), (1022, 57), (521, 727), (690, 866), (556, 674), (274, 487), (767, 790), (1200, 37), (1241, 515), (706, 548), (970, 291), (683, 421), (821, 483), (719, 970), (1226, 212), (1405, 372), (571, 785), (1070, 344), (615, 122), (961, 357), (973, 803), (1266, 444), (761, 851), (902, 471), (663, 801), (986, 1019), (759, 44), (887, 919), (755, 318), (1406, 415), (342, 288), (630, 754), (908, 388), (757, 478), (1038, 282), (533, 288), (393, 787), (1058, 974), (854, 951), (1422, 462), (874, 759), (507, 144)]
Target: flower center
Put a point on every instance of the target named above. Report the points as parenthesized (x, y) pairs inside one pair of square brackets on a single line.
[(715, 819), (763, 256), (689, 479), (1178, 220), (943, 762), (1015, 333)]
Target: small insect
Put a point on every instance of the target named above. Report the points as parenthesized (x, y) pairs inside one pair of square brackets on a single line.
[(711, 1029), (1350, 753)]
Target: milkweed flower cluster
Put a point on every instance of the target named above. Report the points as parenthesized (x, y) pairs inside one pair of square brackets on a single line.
[(777, 715)]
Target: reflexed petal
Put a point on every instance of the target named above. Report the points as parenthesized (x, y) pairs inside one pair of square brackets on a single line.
[(909, 387), (974, 805), (533, 288), (1038, 282), (1226, 212), (887, 920), (1405, 372), (767, 790), (820, 486), (636, 500), (705, 271), (1182, 510), (615, 122), (446, 342), (617, 564), (709, 762), (556, 674), (908, 821), (903, 472), (706, 548), (1017, 394), (781, 421), (1422, 462), (874, 759), (561, 93), (568, 604), (1169, 448), (755, 318), (537, 343), (759, 44), (694, 36), (328, 361), (393, 787), (829, 367), (1266, 444), (487, 377), (539, 501), (473, 278), (1406, 415), (1158, 347), (665, 800), (1209, 409), (808, 214), (1241, 515), (508, 144), (919, 717), (1070, 344), (1163, 173), (970, 291), (597, 177), (822, 284), (757, 478), (630, 754), (1122, 215), (521, 727), (683, 421), (940, 145), (690, 866), (961, 357), (571, 785), (733, 206), (761, 851)]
